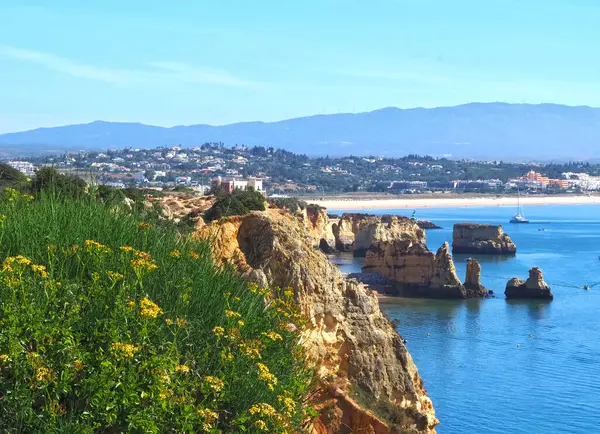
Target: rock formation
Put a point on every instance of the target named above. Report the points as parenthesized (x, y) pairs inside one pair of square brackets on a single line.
[(478, 238), (347, 336), (426, 224), (320, 227), (358, 232), (418, 272), (472, 283), (533, 287)]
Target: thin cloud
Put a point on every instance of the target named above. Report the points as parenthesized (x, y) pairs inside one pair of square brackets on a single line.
[(191, 74), (65, 65), (155, 73)]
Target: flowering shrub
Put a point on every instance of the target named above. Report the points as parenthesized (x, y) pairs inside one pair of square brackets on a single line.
[(109, 325)]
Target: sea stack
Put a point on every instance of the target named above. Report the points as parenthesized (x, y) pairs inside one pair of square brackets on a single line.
[(533, 287), (482, 239), (472, 284)]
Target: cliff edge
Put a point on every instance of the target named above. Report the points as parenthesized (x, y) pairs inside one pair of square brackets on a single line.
[(360, 357)]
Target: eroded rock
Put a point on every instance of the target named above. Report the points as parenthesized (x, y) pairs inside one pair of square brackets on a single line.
[(533, 287), (483, 239), (347, 336)]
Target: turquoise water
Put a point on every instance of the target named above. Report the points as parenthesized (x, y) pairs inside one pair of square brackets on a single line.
[(499, 366)]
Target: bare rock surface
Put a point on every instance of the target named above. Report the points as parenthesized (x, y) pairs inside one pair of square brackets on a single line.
[(482, 239), (347, 336), (533, 287)]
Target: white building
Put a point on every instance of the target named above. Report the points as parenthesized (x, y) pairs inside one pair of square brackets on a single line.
[(25, 167)]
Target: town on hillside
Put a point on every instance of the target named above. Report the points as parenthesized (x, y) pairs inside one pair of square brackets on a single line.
[(280, 172)]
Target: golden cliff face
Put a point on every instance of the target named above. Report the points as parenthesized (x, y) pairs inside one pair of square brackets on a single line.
[(358, 232), (359, 355)]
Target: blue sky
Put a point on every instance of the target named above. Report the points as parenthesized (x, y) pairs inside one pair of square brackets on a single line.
[(217, 62)]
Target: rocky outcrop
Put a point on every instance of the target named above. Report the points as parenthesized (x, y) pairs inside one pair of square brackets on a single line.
[(320, 227), (533, 287), (484, 239), (347, 336), (472, 283), (356, 233), (426, 224), (416, 271), (177, 207)]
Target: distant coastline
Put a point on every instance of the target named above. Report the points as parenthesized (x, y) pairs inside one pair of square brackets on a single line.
[(342, 203)]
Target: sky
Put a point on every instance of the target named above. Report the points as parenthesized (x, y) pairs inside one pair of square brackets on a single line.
[(218, 62)]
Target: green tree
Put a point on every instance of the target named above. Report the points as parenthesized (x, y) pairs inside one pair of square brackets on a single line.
[(239, 202)]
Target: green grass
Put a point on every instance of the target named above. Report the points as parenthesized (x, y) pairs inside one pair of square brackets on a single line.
[(152, 338)]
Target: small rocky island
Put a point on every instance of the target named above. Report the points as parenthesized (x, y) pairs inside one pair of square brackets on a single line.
[(533, 287), (483, 239)]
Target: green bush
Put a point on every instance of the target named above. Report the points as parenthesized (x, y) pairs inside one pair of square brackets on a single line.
[(239, 202), (48, 178), (11, 177), (292, 204), (109, 325)]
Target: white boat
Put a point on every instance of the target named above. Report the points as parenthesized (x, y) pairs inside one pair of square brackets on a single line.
[(519, 217)]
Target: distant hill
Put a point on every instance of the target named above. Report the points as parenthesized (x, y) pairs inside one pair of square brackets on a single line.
[(476, 130)]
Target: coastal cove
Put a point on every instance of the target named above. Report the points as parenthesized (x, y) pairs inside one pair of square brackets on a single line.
[(504, 366)]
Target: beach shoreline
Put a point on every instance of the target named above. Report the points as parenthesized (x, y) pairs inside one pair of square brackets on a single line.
[(453, 202)]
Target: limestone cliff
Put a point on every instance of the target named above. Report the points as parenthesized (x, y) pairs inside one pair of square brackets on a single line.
[(533, 287), (478, 238), (347, 336), (358, 232), (472, 283), (319, 226), (418, 272)]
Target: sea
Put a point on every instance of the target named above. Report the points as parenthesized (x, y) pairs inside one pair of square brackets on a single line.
[(506, 366)]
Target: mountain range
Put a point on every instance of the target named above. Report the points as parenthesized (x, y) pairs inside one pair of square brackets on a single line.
[(475, 130)]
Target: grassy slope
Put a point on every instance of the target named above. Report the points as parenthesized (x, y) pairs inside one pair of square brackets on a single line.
[(64, 361)]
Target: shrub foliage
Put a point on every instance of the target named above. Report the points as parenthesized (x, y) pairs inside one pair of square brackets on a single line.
[(239, 202)]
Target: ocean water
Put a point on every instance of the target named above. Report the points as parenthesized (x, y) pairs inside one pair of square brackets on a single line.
[(500, 366)]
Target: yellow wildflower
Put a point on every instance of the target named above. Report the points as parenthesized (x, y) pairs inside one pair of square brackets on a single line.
[(288, 293), (209, 418), (3, 358), (149, 309), (215, 384), (265, 375), (115, 276), (164, 394), (288, 404), (44, 375), (169, 321), (251, 349), (274, 336), (126, 350), (131, 304), (262, 409), (175, 254), (78, 365), (219, 331), (180, 322), (261, 425), (254, 288), (144, 225), (236, 299), (163, 376), (126, 249), (40, 269), (241, 323), (56, 409), (232, 314), (194, 255), (226, 355), (140, 265), (182, 369), (95, 247)]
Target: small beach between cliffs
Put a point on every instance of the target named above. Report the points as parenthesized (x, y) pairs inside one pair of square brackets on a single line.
[(510, 366)]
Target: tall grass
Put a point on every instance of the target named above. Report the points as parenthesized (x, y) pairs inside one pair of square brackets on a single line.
[(109, 324)]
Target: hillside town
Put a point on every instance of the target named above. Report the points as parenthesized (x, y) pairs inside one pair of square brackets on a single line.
[(284, 173)]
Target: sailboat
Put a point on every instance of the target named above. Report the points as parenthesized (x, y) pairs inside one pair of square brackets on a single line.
[(519, 217)]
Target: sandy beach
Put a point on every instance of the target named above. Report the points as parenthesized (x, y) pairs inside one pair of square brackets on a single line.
[(454, 202)]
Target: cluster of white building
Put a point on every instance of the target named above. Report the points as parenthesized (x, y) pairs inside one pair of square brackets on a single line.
[(25, 167)]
